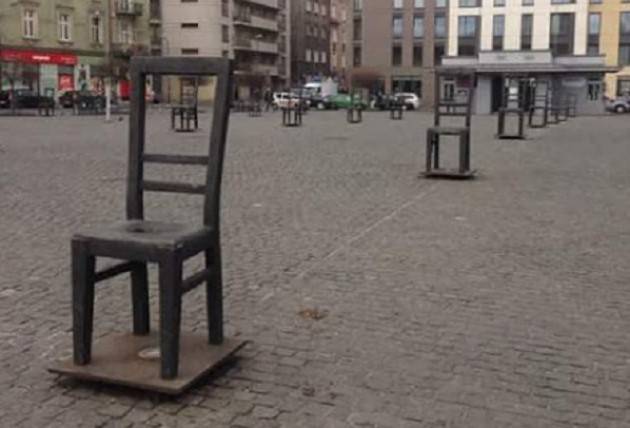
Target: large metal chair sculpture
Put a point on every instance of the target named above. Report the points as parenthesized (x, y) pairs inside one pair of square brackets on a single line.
[(446, 106), (185, 116), (539, 109), (132, 359), (396, 108), (292, 115), (513, 104)]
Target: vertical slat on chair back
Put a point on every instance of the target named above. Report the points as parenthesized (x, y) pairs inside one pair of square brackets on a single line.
[(136, 184), (137, 125)]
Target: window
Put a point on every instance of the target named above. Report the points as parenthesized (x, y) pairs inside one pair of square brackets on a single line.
[(358, 5), (418, 4), (440, 26), (125, 33), (225, 8), (624, 39), (398, 4), (64, 27), (418, 27), (190, 51), (469, 3), (225, 34), (498, 30), (29, 23), (309, 5), (438, 53), (417, 55), (562, 1), (499, 3), (96, 29), (594, 86), (356, 56), (528, 2), (441, 3), (189, 25), (527, 26), (396, 55), (468, 31), (594, 26), (623, 87), (357, 29), (308, 55), (397, 26), (324, 56), (562, 27)]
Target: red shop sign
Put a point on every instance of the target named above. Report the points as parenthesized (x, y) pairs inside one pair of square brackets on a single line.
[(32, 57)]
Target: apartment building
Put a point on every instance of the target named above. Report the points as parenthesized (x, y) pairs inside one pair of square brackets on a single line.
[(339, 12), (58, 45), (609, 34), (252, 32), (134, 25), (531, 38), (400, 41), (310, 40)]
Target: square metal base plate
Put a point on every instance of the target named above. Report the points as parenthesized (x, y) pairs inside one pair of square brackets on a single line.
[(454, 174), (115, 359)]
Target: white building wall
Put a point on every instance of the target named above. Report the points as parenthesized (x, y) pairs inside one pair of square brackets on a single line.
[(513, 10), (206, 38)]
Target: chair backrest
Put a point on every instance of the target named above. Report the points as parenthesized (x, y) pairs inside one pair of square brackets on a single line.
[(460, 103), (514, 91), (140, 67)]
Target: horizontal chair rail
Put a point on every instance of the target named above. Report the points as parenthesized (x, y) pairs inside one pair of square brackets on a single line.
[(196, 279), (164, 186), (114, 270), (176, 159)]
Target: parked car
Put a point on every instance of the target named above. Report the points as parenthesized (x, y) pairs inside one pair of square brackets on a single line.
[(25, 98), (285, 99), (618, 105), (410, 100), (68, 98), (341, 101)]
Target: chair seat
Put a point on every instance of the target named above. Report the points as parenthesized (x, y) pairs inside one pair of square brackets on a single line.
[(448, 130), (146, 240)]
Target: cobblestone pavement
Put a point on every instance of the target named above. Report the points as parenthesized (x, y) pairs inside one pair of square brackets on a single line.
[(501, 302)]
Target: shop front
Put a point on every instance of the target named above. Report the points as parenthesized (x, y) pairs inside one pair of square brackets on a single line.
[(37, 70)]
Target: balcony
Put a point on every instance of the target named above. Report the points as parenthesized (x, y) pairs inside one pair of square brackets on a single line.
[(273, 4), (253, 45), (252, 21), (128, 8), (254, 68)]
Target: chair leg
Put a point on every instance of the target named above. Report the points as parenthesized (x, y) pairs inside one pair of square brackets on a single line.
[(214, 296), (429, 151), (140, 299), (83, 279), (170, 315)]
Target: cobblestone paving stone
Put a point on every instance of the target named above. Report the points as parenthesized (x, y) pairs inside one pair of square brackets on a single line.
[(501, 302)]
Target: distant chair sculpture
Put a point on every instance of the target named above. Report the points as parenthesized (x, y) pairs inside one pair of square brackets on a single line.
[(185, 116), (292, 115), (396, 108), (254, 108), (539, 107), (46, 103), (123, 359), (354, 113), (513, 104), (447, 106)]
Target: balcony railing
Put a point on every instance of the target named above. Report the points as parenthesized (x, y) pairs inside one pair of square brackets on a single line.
[(128, 7)]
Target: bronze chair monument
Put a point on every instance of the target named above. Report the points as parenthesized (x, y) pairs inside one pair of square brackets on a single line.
[(451, 105), (166, 362)]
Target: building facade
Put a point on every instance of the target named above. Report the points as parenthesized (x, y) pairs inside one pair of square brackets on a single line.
[(339, 39), (310, 40), (400, 41), (252, 32), (609, 25), (529, 38), (133, 27), (53, 45)]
